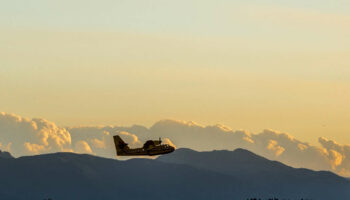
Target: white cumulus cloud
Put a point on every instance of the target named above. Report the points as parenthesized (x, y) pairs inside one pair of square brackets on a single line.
[(83, 147), (24, 136)]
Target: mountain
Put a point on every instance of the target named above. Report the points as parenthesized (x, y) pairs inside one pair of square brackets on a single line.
[(265, 176), (77, 176), (184, 174), (4, 154)]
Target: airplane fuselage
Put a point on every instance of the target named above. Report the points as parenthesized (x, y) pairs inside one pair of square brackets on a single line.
[(163, 149)]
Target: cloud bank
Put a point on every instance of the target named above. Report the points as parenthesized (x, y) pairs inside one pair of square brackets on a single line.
[(23, 136)]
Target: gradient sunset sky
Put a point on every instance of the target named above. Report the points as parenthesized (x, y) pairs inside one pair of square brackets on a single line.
[(251, 64)]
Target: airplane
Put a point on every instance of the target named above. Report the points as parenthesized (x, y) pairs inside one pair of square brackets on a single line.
[(150, 148)]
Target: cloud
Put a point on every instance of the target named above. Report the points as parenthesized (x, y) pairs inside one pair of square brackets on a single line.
[(168, 141), (34, 148), (100, 143), (83, 147), (271, 144), (338, 155), (283, 147), (199, 137), (275, 148), (23, 136), (131, 139)]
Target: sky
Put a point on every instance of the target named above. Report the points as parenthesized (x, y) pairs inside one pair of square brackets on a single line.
[(252, 65)]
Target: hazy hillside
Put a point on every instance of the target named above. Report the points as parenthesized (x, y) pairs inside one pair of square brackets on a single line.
[(267, 177), (74, 176), (79, 176)]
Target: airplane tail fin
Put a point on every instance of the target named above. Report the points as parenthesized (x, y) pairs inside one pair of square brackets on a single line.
[(120, 145)]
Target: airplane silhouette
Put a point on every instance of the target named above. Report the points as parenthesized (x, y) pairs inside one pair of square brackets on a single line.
[(150, 148)]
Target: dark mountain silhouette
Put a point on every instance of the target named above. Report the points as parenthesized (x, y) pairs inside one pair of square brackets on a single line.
[(4, 154), (80, 176), (267, 177), (77, 176)]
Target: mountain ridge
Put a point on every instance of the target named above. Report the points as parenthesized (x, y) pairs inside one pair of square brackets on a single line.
[(244, 154), (263, 174), (83, 176)]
